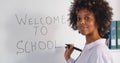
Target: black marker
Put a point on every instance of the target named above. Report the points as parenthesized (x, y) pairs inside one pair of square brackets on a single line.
[(74, 47)]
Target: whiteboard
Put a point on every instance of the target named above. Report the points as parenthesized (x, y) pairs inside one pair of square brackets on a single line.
[(35, 31)]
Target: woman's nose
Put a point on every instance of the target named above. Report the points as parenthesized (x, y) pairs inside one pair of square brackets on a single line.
[(82, 21)]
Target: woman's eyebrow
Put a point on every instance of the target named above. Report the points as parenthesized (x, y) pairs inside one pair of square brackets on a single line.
[(88, 14)]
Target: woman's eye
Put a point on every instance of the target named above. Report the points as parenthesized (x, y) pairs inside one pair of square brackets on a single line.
[(87, 18), (78, 19)]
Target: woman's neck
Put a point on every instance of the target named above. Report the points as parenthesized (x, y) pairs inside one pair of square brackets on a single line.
[(92, 38)]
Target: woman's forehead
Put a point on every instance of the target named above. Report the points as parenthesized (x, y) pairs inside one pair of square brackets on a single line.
[(84, 12)]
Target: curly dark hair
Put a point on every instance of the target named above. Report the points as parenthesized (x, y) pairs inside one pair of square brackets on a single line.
[(101, 10)]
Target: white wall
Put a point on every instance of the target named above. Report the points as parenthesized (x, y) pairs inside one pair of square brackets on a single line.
[(116, 9)]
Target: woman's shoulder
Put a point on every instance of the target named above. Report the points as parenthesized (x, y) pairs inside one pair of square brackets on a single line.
[(102, 53), (99, 46)]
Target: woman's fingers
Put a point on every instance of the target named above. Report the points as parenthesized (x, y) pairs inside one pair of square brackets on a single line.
[(68, 51)]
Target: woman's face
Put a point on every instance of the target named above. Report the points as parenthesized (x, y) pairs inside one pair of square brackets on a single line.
[(86, 22)]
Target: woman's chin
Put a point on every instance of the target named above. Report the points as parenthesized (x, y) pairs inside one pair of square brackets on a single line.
[(83, 33)]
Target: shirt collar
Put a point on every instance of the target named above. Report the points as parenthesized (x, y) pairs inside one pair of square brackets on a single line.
[(93, 44)]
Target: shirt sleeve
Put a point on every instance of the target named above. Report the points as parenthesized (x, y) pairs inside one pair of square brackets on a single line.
[(105, 58), (71, 60), (102, 55)]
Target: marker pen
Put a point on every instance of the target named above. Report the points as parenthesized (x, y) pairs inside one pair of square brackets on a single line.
[(74, 48)]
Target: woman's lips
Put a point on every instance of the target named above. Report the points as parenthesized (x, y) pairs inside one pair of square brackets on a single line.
[(82, 28)]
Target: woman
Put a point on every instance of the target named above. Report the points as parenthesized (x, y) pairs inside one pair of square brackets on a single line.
[(91, 18)]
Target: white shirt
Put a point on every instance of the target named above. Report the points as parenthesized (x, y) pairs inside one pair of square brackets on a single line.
[(95, 52)]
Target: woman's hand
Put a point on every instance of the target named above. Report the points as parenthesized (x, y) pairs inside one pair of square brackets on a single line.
[(68, 51)]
